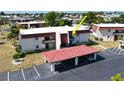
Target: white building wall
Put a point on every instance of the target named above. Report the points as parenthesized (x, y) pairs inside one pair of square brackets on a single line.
[(106, 35), (39, 42), (58, 40), (31, 43), (27, 44), (84, 37)]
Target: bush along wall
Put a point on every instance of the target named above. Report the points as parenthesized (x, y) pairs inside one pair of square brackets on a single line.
[(18, 53)]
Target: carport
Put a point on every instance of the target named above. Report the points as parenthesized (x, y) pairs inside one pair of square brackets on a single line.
[(55, 57)]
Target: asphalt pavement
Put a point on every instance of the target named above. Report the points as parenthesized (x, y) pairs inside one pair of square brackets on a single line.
[(108, 63)]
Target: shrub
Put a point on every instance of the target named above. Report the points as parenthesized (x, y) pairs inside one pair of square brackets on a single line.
[(96, 38), (18, 55), (117, 77), (18, 49), (101, 39)]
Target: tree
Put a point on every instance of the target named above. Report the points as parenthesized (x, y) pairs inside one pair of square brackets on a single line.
[(61, 15), (117, 20), (122, 16), (2, 13), (91, 18), (14, 33), (51, 18), (99, 20), (68, 22), (61, 22)]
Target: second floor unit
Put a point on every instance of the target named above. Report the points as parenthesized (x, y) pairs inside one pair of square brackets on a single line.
[(51, 37)]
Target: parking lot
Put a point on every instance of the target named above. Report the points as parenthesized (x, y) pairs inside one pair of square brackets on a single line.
[(34, 73), (112, 52), (39, 72)]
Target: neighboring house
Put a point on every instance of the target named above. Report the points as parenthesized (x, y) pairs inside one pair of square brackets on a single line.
[(51, 37), (108, 32), (31, 24), (121, 43), (15, 20)]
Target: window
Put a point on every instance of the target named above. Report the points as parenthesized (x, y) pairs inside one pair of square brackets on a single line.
[(37, 46), (36, 38), (109, 30), (47, 38)]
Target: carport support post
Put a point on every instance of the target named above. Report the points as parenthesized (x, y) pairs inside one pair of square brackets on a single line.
[(119, 45), (76, 61), (94, 56), (52, 67), (45, 61)]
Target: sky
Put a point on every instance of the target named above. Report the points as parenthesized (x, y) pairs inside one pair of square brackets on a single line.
[(61, 5)]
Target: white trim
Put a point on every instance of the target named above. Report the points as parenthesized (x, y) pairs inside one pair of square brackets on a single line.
[(116, 51), (23, 74), (95, 56), (52, 66), (8, 76), (76, 61), (119, 53), (36, 71), (113, 49), (45, 61)]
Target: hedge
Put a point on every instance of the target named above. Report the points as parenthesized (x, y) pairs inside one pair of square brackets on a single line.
[(19, 55)]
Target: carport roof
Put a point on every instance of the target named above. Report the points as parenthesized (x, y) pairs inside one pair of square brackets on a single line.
[(68, 53)]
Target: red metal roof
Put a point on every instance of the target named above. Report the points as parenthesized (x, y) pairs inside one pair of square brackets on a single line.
[(95, 27), (68, 53)]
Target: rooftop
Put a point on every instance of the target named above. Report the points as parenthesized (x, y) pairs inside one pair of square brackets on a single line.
[(32, 22), (110, 25), (68, 53), (20, 18), (61, 29)]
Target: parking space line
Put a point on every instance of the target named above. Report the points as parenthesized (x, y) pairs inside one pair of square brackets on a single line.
[(23, 74), (113, 49), (116, 51), (7, 76), (121, 50), (119, 53), (106, 54), (36, 71)]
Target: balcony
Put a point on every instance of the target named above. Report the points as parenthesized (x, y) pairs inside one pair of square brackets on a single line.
[(119, 33), (48, 41)]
